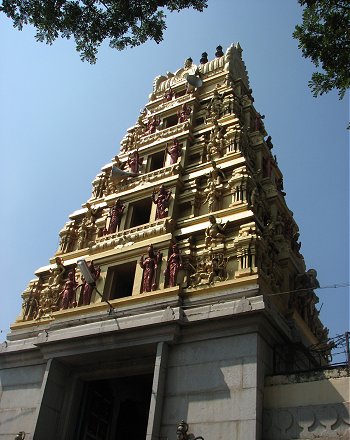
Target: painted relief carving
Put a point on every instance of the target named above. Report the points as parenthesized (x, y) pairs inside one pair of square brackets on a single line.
[(162, 202), (150, 266), (174, 264), (214, 233), (47, 303), (210, 268), (174, 151), (130, 236)]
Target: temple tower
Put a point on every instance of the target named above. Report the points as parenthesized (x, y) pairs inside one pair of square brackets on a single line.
[(198, 290)]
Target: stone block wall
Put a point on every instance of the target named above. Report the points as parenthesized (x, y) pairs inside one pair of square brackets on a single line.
[(20, 398), (213, 386)]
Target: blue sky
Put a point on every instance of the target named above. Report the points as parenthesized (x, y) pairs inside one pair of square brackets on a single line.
[(62, 120)]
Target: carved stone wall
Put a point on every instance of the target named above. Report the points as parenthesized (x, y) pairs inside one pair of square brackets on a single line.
[(307, 406)]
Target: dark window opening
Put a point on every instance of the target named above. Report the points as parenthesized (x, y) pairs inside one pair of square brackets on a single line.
[(156, 161), (180, 93), (170, 121), (120, 281), (200, 121), (185, 209), (195, 159), (141, 212), (115, 409)]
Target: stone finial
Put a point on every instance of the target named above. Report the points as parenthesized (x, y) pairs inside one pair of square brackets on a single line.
[(204, 58), (219, 53)]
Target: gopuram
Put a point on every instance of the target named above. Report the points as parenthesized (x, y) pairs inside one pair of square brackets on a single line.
[(197, 288)]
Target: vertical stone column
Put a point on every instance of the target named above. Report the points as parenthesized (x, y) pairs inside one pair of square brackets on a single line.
[(155, 410)]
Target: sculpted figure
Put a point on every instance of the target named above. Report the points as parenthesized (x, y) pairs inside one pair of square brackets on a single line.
[(152, 125), (67, 296), (31, 306), (214, 232), (134, 162), (269, 142), (181, 431), (174, 264), (259, 125), (99, 185), (128, 142), (82, 234), (115, 214), (190, 69), (216, 144), (213, 197), (91, 214), (67, 239), (188, 63), (210, 268), (87, 289), (215, 107), (307, 280), (149, 266), (162, 202), (184, 114), (169, 94), (47, 303), (216, 174), (56, 277), (174, 151)]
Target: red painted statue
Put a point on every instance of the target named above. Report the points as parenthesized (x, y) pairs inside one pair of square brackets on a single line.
[(162, 202), (150, 266), (184, 113), (152, 125), (134, 162), (174, 264), (87, 289), (174, 151), (67, 296), (169, 94), (115, 214)]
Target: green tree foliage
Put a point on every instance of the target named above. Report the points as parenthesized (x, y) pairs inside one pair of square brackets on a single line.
[(324, 37), (124, 23)]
